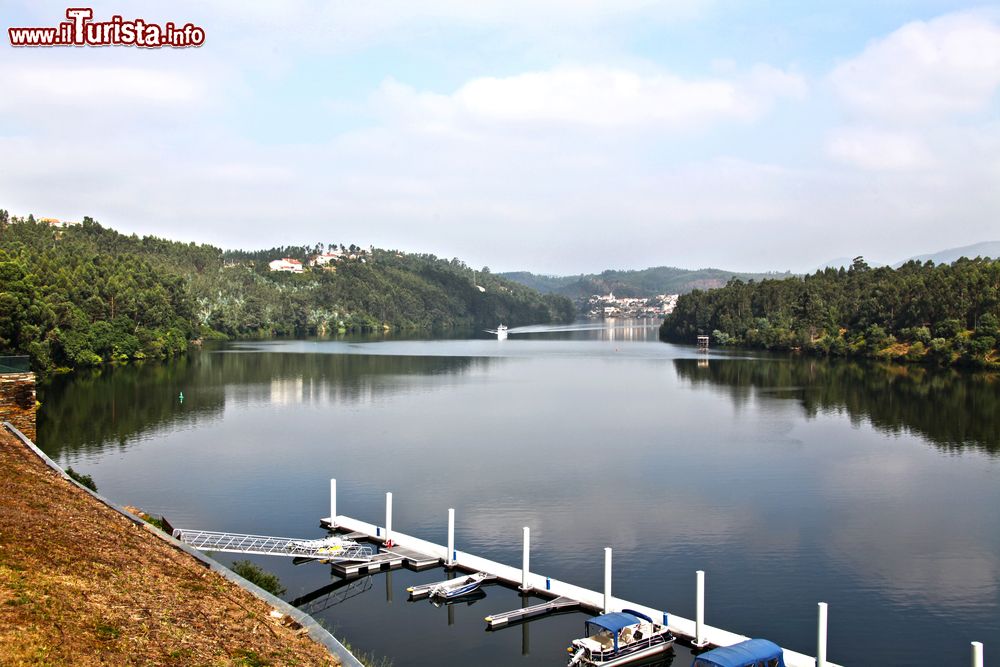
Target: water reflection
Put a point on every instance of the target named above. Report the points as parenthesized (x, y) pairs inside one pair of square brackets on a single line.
[(951, 408), (789, 480), (93, 409), (338, 592)]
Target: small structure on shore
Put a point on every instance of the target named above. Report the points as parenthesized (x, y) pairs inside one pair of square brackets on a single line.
[(703, 343), (18, 404)]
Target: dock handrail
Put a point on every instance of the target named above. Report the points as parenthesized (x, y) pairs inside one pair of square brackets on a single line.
[(19, 363)]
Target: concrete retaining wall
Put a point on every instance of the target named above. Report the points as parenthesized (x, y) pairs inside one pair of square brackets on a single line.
[(317, 632)]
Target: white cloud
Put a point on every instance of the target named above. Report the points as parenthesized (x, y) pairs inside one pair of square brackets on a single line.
[(925, 69), (88, 86), (611, 161), (879, 150), (599, 96)]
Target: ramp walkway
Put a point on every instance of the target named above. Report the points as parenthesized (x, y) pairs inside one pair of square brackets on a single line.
[(334, 549), (560, 604)]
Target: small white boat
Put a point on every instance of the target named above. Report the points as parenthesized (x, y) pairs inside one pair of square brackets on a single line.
[(456, 588), (468, 599), (619, 638), (500, 331)]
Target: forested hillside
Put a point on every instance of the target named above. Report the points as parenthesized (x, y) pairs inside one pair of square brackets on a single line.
[(642, 283), (82, 295), (948, 314)]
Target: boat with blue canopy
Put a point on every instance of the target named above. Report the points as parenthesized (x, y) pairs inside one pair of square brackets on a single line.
[(751, 653), (618, 638)]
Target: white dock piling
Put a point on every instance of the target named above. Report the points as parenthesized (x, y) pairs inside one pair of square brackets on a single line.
[(450, 557), (607, 579), (388, 518), (821, 636), (525, 586), (977, 654), (333, 503), (699, 614)]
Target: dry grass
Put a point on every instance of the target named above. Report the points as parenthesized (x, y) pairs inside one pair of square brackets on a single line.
[(82, 585)]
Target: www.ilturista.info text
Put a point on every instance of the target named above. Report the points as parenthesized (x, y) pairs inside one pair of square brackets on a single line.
[(82, 30)]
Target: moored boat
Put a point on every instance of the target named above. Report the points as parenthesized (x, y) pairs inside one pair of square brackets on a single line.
[(619, 638), (750, 653), (456, 588), (467, 599)]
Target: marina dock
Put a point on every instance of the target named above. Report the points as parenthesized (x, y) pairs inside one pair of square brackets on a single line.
[(398, 556), (408, 549)]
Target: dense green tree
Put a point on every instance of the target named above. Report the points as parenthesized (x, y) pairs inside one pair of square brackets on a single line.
[(82, 295), (919, 312)]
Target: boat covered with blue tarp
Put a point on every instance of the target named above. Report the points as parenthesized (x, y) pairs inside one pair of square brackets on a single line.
[(751, 653)]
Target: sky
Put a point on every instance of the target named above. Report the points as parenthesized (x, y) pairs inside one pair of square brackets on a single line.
[(556, 136)]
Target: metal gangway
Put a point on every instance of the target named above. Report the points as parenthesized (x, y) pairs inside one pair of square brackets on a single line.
[(330, 549)]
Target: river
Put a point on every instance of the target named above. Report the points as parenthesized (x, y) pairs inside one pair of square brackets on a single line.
[(789, 480)]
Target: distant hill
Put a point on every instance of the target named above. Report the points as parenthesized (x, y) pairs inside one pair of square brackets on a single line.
[(983, 249), (845, 263), (81, 295), (640, 283)]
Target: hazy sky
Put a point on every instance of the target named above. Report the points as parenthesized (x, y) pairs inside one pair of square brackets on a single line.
[(558, 136)]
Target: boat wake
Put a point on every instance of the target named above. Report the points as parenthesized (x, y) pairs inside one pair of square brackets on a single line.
[(582, 326)]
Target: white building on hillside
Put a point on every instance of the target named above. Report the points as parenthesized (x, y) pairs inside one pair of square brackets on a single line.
[(325, 258), (286, 264)]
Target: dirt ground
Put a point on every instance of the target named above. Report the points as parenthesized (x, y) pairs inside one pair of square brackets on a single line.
[(82, 585)]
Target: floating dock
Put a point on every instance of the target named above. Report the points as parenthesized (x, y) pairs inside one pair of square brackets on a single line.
[(555, 606), (390, 559), (695, 632)]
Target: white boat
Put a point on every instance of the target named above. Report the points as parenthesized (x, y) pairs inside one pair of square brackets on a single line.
[(456, 588), (500, 331), (619, 638)]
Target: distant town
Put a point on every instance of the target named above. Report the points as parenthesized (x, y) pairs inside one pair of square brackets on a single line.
[(603, 306)]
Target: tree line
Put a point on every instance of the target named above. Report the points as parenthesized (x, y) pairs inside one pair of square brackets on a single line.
[(81, 295), (947, 314)]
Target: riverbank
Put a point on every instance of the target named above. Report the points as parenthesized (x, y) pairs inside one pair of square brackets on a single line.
[(81, 584)]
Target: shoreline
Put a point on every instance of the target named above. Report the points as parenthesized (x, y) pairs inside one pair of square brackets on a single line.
[(84, 581)]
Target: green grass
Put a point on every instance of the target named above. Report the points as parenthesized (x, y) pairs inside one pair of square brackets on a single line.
[(259, 576), (85, 480), (106, 632)]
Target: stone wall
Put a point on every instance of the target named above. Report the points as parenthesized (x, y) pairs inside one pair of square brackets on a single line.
[(17, 402)]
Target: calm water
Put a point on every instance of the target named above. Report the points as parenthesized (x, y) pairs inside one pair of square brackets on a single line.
[(790, 481)]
